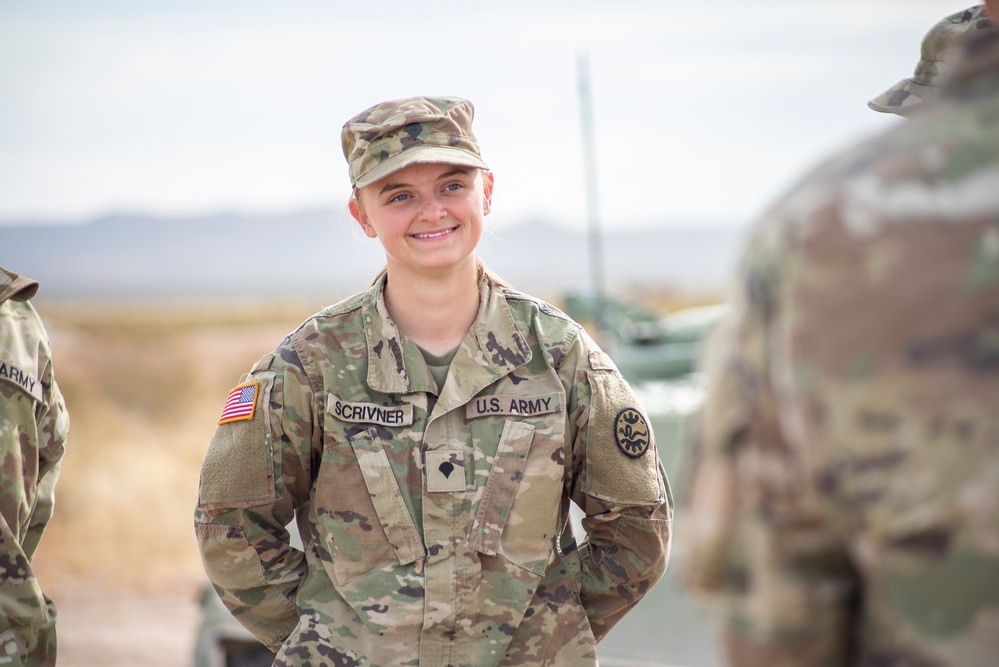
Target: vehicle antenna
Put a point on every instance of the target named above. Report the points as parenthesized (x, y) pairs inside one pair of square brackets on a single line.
[(592, 209)]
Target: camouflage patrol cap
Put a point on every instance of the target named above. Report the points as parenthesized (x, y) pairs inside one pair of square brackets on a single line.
[(938, 54), (395, 134)]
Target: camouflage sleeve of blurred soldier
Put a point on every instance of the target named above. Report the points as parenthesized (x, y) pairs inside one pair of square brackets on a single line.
[(844, 506), (33, 427)]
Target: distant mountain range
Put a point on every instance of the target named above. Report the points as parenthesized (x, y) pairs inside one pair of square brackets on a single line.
[(317, 253)]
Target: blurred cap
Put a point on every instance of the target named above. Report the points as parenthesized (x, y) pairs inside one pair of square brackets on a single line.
[(938, 55), (395, 134)]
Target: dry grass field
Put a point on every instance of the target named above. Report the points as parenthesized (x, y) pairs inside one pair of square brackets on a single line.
[(145, 383)]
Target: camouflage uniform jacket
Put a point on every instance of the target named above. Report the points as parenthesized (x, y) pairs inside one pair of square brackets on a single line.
[(845, 501), (435, 520), (33, 426)]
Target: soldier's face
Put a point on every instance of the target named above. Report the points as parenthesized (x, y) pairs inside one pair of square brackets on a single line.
[(428, 217)]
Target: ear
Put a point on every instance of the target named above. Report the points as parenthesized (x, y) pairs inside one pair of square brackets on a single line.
[(362, 218), (487, 192)]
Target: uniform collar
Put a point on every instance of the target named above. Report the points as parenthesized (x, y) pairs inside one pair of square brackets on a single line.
[(493, 348)]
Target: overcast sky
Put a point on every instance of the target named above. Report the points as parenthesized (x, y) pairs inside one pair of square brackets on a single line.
[(704, 111)]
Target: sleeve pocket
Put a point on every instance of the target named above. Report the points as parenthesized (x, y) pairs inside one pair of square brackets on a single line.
[(230, 562)]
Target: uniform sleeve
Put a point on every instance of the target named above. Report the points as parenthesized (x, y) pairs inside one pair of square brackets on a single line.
[(53, 429), (33, 429), (760, 547), (256, 474), (619, 483)]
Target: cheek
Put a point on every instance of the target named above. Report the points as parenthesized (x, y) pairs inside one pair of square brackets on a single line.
[(475, 206)]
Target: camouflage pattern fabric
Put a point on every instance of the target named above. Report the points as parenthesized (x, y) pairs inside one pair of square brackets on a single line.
[(397, 133), (845, 498), (33, 427), (939, 52), (435, 520)]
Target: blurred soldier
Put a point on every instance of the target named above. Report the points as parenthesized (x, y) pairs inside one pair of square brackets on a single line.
[(33, 426), (938, 54), (845, 507)]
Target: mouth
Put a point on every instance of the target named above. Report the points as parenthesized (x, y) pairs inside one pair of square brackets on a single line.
[(435, 235)]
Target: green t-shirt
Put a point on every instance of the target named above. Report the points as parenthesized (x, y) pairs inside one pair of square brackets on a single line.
[(439, 364)]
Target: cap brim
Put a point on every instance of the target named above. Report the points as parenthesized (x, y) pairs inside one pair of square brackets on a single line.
[(419, 155), (903, 98)]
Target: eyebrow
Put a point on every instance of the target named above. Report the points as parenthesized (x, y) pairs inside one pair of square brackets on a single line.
[(388, 187)]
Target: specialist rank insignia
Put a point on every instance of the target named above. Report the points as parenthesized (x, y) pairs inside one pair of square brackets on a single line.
[(631, 432)]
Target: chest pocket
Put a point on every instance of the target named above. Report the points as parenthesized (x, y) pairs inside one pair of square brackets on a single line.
[(518, 511), (361, 513)]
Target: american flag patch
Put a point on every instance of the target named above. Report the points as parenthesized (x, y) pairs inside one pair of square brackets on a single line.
[(241, 403)]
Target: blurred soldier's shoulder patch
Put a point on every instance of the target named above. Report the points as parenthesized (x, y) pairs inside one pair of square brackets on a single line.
[(631, 432), (241, 403)]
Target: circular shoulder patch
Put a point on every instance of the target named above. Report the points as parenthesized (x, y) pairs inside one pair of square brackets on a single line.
[(631, 432)]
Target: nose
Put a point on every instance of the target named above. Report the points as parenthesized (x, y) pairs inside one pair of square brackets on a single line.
[(433, 209)]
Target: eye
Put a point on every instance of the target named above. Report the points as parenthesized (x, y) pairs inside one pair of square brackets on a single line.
[(399, 197), (453, 187)]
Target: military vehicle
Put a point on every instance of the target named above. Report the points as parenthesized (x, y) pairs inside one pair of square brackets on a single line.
[(645, 346)]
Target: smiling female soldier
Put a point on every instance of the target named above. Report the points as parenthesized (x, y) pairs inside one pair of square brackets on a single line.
[(428, 435)]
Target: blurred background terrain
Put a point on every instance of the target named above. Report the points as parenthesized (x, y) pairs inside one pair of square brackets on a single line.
[(322, 254), (144, 386)]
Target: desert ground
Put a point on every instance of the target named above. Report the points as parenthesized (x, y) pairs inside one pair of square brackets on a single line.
[(144, 383)]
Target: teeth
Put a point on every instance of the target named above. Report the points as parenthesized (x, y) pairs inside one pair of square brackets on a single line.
[(434, 236)]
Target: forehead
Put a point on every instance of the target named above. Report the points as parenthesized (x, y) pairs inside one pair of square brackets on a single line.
[(428, 170), (424, 172)]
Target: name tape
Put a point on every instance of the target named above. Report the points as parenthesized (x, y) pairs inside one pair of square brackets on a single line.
[(21, 378), (510, 406), (370, 413)]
